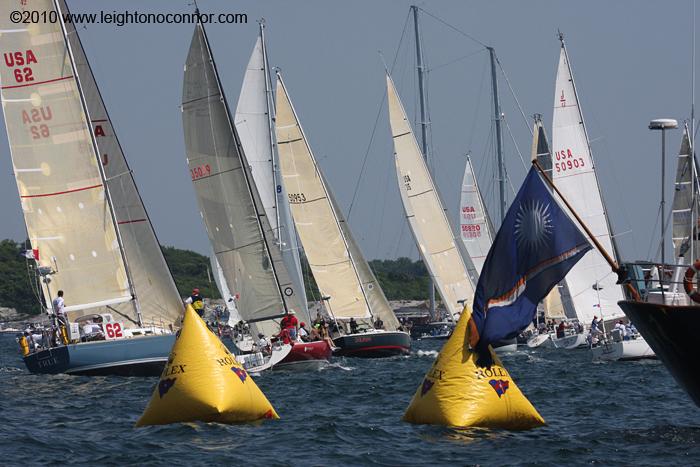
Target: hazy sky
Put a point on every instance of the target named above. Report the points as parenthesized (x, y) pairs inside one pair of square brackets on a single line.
[(631, 61)]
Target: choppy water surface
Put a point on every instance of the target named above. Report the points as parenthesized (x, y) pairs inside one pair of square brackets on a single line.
[(350, 414)]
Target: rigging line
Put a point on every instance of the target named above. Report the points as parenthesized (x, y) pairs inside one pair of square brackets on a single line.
[(653, 230), (464, 57), (454, 28), (512, 93), (516, 145), (478, 106), (376, 121)]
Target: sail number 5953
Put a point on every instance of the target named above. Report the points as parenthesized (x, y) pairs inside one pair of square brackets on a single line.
[(296, 198)]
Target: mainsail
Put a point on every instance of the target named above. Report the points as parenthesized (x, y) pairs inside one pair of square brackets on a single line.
[(157, 297), (238, 229), (253, 118), (318, 224), (55, 161), (685, 198), (475, 227), (431, 229), (592, 285)]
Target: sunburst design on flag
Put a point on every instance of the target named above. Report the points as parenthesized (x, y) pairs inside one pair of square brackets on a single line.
[(533, 225)]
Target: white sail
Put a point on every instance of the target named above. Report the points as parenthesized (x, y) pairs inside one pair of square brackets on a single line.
[(158, 299), (316, 221), (254, 119), (475, 228), (591, 283), (683, 196), (226, 295), (426, 216), (238, 229), (55, 163)]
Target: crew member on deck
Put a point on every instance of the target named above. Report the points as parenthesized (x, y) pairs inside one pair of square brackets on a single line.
[(290, 323), (353, 326), (379, 324), (197, 302), (303, 333)]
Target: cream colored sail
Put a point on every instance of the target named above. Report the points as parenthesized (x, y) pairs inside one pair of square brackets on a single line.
[(238, 229), (317, 224), (591, 283), (378, 304), (158, 299), (425, 213), (55, 163)]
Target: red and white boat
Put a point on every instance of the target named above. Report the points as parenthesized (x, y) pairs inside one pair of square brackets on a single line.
[(306, 356)]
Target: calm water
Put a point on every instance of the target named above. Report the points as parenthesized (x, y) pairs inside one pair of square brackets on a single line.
[(350, 414)]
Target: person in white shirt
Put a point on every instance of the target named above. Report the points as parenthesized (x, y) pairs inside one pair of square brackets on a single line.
[(303, 333), (262, 344), (59, 306)]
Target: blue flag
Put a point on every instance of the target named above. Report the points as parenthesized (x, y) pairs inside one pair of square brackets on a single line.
[(535, 247)]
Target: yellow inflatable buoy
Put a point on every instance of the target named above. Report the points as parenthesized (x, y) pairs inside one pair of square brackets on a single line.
[(457, 392), (202, 381)]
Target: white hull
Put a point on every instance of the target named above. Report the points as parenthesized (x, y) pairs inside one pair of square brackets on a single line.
[(507, 348), (573, 341), (255, 363), (540, 340), (636, 349)]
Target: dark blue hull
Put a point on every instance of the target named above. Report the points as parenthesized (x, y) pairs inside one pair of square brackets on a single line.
[(137, 356)]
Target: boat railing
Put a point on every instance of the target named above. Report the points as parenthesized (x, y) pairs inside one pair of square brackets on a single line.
[(656, 283)]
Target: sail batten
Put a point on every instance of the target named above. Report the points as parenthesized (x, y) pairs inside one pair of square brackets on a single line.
[(442, 253), (590, 282)]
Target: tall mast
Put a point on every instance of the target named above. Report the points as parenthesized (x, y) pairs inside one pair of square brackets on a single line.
[(244, 164), (269, 101), (615, 252), (423, 120), (499, 137), (100, 167)]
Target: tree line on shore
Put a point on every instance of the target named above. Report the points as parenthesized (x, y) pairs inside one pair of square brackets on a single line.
[(401, 279)]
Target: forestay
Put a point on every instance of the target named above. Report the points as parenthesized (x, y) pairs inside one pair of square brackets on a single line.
[(425, 214), (686, 176), (475, 228), (55, 163), (158, 299), (316, 221), (253, 118), (230, 205), (591, 283)]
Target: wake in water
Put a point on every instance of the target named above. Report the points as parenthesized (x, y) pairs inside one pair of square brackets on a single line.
[(427, 353), (334, 365)]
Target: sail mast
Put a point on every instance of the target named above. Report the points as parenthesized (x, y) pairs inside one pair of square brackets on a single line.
[(100, 167), (499, 136), (244, 163), (423, 121), (269, 101)]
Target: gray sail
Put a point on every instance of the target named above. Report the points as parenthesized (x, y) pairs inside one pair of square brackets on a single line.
[(230, 205), (157, 297), (684, 194)]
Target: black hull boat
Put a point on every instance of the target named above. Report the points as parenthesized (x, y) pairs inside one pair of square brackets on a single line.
[(671, 331), (373, 344)]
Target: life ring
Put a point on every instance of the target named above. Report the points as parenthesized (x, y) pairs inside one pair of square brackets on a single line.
[(688, 283)]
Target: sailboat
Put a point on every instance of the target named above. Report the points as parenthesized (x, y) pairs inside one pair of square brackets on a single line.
[(85, 219), (234, 216), (476, 230), (592, 285), (348, 287)]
